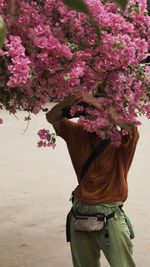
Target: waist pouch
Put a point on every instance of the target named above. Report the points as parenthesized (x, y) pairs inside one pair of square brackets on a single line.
[(89, 222)]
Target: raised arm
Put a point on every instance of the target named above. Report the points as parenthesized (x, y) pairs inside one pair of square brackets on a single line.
[(79, 96), (54, 116)]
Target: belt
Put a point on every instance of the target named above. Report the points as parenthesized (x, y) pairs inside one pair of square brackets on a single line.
[(106, 218)]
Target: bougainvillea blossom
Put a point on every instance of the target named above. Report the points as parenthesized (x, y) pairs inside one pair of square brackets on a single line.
[(47, 139), (50, 50)]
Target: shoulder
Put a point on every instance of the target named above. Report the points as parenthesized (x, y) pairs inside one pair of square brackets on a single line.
[(69, 129), (131, 138)]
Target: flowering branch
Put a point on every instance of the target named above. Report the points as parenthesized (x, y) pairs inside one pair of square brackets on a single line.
[(51, 50), (47, 139)]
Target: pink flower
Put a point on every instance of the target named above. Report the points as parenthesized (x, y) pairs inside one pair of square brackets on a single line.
[(76, 108), (124, 132), (40, 144), (27, 118), (36, 109), (43, 133), (1, 121), (47, 139), (51, 144)]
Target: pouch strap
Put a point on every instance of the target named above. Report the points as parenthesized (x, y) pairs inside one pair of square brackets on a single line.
[(68, 234), (100, 216), (109, 216), (93, 156), (106, 218)]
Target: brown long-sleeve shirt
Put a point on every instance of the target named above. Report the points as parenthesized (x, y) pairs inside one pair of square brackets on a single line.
[(106, 179)]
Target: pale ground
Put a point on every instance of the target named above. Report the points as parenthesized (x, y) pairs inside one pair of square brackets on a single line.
[(35, 187)]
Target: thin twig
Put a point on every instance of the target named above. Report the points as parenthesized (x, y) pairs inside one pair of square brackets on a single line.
[(15, 116), (25, 130)]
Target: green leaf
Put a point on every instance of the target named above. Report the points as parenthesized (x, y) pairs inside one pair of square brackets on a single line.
[(114, 47), (145, 13), (78, 5), (136, 9), (67, 77), (49, 138), (53, 140), (3, 31), (122, 3)]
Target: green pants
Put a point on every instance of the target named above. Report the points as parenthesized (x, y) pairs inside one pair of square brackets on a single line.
[(86, 246)]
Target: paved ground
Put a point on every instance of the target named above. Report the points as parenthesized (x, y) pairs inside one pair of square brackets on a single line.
[(35, 187)]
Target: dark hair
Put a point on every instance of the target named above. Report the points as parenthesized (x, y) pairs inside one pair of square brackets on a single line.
[(99, 92)]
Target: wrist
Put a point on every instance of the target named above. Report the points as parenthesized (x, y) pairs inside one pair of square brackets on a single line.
[(96, 103)]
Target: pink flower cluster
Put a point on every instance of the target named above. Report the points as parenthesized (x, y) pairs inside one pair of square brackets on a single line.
[(47, 139), (75, 109), (99, 122), (50, 50), (19, 66)]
